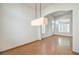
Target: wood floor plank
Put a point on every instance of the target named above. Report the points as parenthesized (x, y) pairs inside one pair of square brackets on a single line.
[(53, 45)]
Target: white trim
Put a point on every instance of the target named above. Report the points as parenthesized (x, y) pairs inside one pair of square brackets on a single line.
[(62, 34)]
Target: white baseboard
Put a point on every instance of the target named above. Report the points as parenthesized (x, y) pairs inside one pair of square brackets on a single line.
[(62, 34)]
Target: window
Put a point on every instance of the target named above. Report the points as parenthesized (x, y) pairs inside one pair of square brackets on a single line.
[(63, 25), (64, 28)]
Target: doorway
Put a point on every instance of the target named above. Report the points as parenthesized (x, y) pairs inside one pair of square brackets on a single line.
[(60, 26)]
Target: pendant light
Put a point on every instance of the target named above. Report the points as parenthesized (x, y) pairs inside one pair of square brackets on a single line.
[(39, 21)]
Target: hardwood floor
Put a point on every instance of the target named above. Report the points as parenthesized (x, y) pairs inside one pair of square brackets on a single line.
[(54, 45)]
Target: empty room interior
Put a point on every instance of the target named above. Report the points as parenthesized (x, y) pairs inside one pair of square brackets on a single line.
[(39, 29)]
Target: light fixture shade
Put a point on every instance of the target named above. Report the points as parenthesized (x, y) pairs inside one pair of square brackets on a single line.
[(39, 22)]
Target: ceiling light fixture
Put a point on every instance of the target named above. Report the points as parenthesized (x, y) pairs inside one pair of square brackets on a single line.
[(39, 21)]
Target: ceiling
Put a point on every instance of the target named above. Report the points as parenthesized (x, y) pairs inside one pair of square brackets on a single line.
[(43, 5), (59, 13)]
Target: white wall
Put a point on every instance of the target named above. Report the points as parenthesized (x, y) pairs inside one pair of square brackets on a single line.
[(75, 8), (15, 28), (76, 30), (49, 31)]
